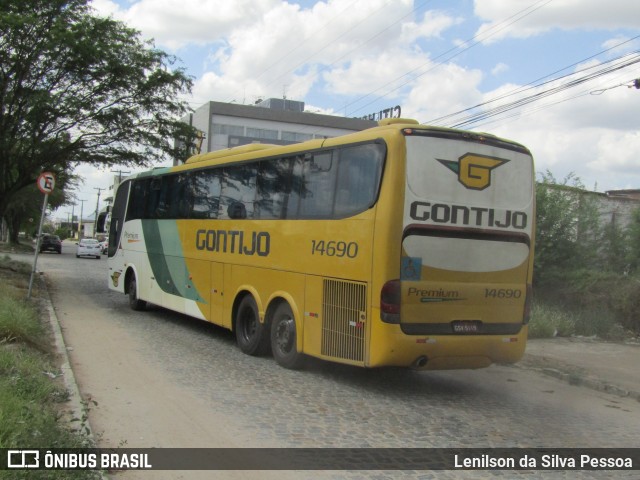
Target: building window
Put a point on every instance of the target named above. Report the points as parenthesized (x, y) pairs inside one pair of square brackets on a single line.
[(296, 137), (262, 133), (221, 129)]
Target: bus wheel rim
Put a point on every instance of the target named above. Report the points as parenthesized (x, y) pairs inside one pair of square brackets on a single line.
[(285, 335), (249, 325)]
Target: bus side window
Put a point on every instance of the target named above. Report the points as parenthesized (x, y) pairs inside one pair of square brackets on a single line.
[(205, 191), (175, 196), (274, 184), (153, 198), (238, 185), (117, 216), (359, 178), (297, 189), (138, 199), (320, 185)]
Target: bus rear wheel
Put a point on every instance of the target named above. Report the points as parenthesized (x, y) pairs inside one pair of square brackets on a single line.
[(283, 338), (134, 302), (251, 335)]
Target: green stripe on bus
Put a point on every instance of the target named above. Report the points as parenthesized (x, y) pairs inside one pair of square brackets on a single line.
[(167, 259)]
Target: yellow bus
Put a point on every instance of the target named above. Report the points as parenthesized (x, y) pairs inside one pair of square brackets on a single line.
[(400, 245)]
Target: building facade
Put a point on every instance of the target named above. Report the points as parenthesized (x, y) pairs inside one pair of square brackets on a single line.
[(276, 121)]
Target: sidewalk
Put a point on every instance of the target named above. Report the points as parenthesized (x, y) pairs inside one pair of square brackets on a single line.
[(605, 366)]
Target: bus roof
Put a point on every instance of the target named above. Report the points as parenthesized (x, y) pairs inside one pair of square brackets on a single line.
[(409, 126)]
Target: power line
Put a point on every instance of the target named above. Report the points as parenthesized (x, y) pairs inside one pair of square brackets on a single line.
[(463, 47), (611, 66), (444, 120)]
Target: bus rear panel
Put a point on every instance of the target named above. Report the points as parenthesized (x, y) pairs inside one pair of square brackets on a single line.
[(464, 287)]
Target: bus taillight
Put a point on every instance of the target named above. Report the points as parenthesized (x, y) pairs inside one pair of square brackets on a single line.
[(390, 302)]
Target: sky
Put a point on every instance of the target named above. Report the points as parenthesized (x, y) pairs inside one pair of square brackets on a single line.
[(565, 68)]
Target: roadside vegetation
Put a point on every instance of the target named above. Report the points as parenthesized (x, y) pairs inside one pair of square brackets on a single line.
[(32, 396), (586, 273)]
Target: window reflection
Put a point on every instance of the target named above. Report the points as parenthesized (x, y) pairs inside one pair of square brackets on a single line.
[(334, 183)]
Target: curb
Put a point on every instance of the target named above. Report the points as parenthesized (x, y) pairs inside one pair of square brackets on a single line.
[(76, 406), (569, 374)]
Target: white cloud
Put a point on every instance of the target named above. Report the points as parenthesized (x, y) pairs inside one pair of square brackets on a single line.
[(618, 153), (176, 23), (362, 51), (443, 90), (499, 68), (593, 136), (290, 48), (383, 70), (539, 17), (433, 24)]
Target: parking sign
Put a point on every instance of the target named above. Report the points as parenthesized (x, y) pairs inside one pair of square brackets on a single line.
[(46, 182)]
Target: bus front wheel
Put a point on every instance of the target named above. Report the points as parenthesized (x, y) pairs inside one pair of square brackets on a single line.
[(283, 338), (251, 335), (134, 302)]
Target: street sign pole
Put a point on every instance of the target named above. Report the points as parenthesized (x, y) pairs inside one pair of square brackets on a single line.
[(38, 241), (46, 182)]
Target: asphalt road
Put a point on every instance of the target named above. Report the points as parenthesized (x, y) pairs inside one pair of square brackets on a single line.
[(159, 379)]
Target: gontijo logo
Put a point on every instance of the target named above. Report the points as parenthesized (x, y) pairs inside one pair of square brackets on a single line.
[(474, 171)]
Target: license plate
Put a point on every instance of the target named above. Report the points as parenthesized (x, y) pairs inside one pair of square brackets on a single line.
[(466, 326)]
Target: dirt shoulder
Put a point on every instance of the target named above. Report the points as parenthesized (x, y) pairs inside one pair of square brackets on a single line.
[(605, 366)]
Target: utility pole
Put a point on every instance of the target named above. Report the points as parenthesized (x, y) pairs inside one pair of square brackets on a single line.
[(73, 231), (80, 231), (119, 172), (95, 220)]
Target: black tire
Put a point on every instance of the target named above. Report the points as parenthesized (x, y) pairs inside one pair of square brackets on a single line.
[(134, 302), (251, 335), (283, 338)]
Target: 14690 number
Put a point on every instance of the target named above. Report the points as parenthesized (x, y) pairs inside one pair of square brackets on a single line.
[(502, 293), (334, 248)]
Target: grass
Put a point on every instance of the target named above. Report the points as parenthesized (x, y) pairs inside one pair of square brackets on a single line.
[(32, 397), (551, 320)]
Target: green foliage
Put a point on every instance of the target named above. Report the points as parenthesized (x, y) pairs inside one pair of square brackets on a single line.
[(16, 266), (31, 394), (568, 229), (76, 88), (63, 233), (604, 303), (584, 266), (633, 242), (18, 322), (548, 321)]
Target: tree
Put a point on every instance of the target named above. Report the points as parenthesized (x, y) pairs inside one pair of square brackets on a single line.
[(75, 88), (633, 232), (24, 210), (567, 228)]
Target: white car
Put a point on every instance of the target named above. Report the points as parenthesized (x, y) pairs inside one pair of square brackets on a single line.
[(89, 247), (104, 246)]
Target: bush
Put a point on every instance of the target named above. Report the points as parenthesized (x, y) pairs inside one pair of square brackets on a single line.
[(31, 395), (19, 323), (588, 268), (548, 321), (604, 303)]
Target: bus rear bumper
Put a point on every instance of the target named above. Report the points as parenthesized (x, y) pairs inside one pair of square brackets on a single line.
[(446, 352)]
